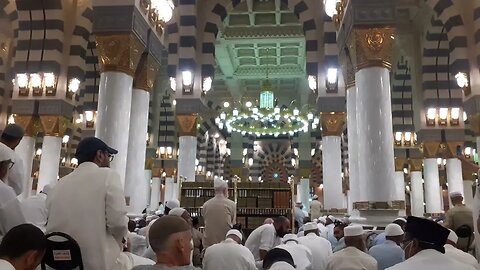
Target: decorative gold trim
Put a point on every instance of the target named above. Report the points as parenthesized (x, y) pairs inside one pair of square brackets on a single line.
[(433, 215), (451, 148), (119, 52), (146, 73), (400, 204), (304, 172), (416, 164), (400, 164), (187, 124), (430, 149), (366, 205), (372, 47), (31, 124), (333, 123), (54, 125)]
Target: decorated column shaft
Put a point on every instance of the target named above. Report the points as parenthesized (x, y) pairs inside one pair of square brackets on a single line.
[(433, 201), (398, 199), (416, 188), (187, 144), (454, 168)]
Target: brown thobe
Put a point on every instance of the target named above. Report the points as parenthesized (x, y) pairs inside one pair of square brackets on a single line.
[(219, 215)]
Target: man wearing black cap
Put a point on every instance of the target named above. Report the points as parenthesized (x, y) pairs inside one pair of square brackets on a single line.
[(89, 205), (11, 137), (423, 245)]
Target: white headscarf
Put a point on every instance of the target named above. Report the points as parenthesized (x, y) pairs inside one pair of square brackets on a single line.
[(281, 266)]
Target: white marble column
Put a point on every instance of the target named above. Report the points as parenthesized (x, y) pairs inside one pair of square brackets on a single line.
[(433, 199), (187, 154), (375, 140), (171, 189), (332, 169), (468, 192), (454, 175), (135, 183), (113, 117), (416, 194), (155, 193), (399, 186), (355, 188), (26, 152), (304, 193), (49, 161)]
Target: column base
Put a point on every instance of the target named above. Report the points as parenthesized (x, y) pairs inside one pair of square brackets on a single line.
[(394, 205), (334, 211), (378, 217), (433, 215)]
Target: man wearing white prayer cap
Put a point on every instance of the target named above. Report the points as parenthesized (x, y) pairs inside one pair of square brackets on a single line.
[(281, 266), (320, 247), (169, 205), (302, 256), (353, 256), (380, 239), (219, 214), (17, 178), (229, 254), (196, 235), (389, 253), (315, 208), (459, 215), (330, 225), (452, 251)]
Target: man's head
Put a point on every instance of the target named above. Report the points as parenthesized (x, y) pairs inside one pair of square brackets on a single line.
[(142, 223), (169, 205), (322, 220), (423, 234), (311, 227), (170, 238), (47, 189), (6, 160), (132, 225), (282, 225), (315, 197), (290, 238), (235, 235), (452, 238), (23, 246), (181, 212), (338, 231), (354, 237), (401, 222), (277, 255), (220, 186), (12, 135), (394, 232), (268, 221), (456, 197), (94, 150), (299, 205), (330, 219)]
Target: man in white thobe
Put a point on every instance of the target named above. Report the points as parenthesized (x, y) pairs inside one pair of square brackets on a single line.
[(353, 256), (315, 208), (34, 208), (89, 205), (229, 254), (320, 247), (452, 251), (423, 245), (219, 214), (299, 215), (11, 137), (302, 256)]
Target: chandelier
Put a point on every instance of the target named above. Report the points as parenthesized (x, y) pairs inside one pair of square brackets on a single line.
[(266, 118)]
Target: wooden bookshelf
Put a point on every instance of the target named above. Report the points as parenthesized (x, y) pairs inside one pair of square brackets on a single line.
[(255, 201)]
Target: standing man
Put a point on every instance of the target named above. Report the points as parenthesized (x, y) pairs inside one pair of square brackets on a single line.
[(229, 254), (299, 215), (266, 237), (219, 214), (320, 247), (315, 208), (457, 216), (353, 256), (11, 137), (389, 253), (89, 205)]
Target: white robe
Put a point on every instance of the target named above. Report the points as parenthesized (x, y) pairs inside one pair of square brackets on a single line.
[(89, 205), (10, 212), (430, 259), (321, 250), (460, 256), (351, 258), (34, 209), (302, 256), (228, 255)]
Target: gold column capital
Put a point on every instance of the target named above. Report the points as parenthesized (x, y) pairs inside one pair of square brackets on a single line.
[(371, 47), (416, 164), (304, 172), (430, 149), (333, 123), (119, 52), (31, 124), (348, 70), (187, 124), (54, 125), (146, 73), (400, 163), (451, 148), (474, 121)]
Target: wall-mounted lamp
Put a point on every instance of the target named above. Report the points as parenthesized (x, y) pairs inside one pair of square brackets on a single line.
[(405, 139), (207, 84), (37, 82), (74, 162), (431, 116), (73, 87), (330, 7), (463, 82), (187, 81), (468, 152), (445, 116), (11, 119), (65, 139), (312, 82), (38, 153), (332, 80), (442, 116), (90, 118)]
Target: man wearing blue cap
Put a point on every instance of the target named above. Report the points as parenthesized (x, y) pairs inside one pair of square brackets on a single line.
[(424, 247), (89, 205)]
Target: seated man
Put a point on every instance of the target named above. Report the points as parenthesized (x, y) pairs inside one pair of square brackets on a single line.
[(170, 238), (22, 248)]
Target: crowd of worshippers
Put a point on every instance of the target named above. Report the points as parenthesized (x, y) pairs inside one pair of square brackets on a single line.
[(87, 207)]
